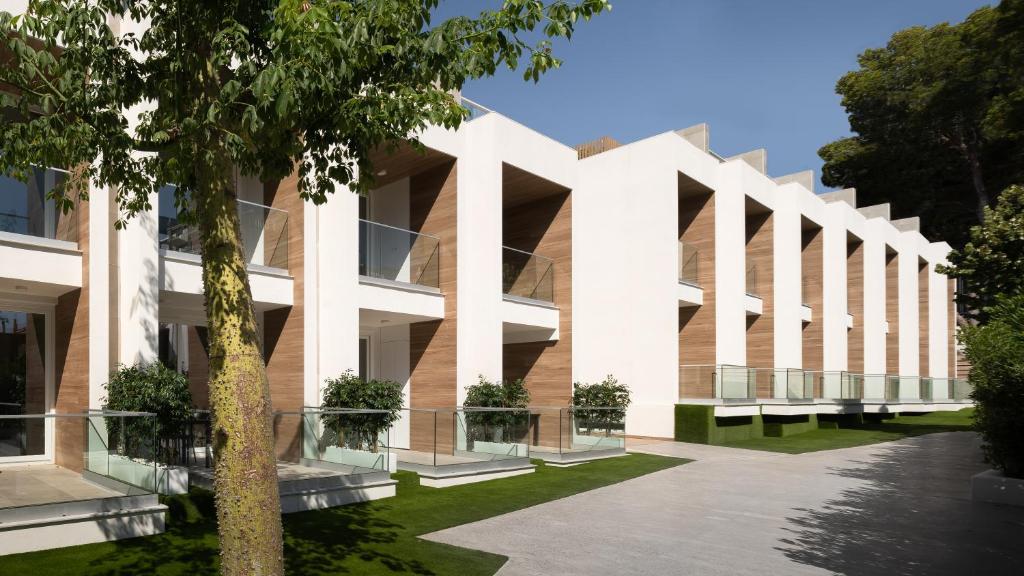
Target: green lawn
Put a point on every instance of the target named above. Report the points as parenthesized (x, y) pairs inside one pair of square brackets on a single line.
[(866, 433), (374, 538)]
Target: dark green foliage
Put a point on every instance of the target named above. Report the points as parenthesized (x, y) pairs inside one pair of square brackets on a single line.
[(359, 431), (996, 352), (609, 393), (938, 121), (992, 262), (697, 423), (149, 388), (497, 425), (780, 426)]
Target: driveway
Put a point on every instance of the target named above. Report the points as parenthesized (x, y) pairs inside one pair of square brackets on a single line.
[(896, 508)]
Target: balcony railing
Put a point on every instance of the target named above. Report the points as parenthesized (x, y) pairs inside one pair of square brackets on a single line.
[(264, 235), (25, 208), (527, 275), (752, 289), (475, 110), (390, 253), (689, 264)]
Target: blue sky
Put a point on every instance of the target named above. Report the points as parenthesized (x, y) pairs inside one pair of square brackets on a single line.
[(761, 73)]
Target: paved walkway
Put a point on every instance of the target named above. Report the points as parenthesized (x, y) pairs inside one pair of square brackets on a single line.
[(900, 508)]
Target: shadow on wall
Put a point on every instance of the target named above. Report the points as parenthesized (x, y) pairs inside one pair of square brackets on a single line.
[(902, 521)]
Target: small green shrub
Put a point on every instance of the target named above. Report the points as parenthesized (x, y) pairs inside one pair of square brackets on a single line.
[(496, 426), (149, 388), (609, 393), (359, 431), (996, 352)]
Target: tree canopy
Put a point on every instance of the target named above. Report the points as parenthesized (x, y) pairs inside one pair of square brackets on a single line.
[(991, 264), (938, 120)]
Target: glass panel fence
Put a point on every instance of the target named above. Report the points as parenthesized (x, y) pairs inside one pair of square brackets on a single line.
[(752, 289), (349, 441), (475, 110), (792, 384), (689, 261), (735, 382), (25, 208), (961, 389), (527, 275), (264, 232), (909, 388), (98, 454), (697, 381), (399, 255), (575, 429), (440, 437), (925, 389), (874, 386)]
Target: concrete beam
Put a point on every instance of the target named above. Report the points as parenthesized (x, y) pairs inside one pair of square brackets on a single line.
[(847, 195), (756, 158), (908, 224), (805, 179), (876, 211), (698, 135)]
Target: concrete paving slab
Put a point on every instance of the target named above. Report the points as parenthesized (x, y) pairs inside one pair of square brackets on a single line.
[(895, 508)]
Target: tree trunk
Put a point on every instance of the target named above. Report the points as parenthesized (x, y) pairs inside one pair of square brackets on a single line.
[(971, 153), (245, 469)]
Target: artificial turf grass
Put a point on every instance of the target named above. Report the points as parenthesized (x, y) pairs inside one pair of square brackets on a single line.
[(379, 537), (868, 432)]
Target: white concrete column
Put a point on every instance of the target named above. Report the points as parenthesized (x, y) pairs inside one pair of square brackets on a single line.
[(874, 296), (938, 321), (833, 316), (331, 291), (730, 267), (100, 228), (910, 354), (787, 237), (139, 288), (479, 233)]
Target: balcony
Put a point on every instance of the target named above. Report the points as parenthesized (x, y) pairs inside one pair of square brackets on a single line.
[(527, 276), (528, 286), (265, 249), (753, 303), (399, 275), (264, 235), (690, 291), (38, 243)]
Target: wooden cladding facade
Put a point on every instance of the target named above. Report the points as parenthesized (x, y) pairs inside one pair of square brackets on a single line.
[(432, 345), (283, 329), (697, 323), (761, 329), (922, 318), (892, 313), (813, 294), (855, 306)]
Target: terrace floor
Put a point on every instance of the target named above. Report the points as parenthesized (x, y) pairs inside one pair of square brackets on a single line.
[(427, 458), (31, 485)]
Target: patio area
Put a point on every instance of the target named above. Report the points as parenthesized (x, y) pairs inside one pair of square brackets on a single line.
[(35, 484)]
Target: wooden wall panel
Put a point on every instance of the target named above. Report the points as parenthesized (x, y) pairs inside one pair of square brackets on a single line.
[(924, 337), (544, 227), (855, 306), (198, 369), (697, 323), (283, 331), (71, 359), (761, 329), (951, 327), (813, 290), (892, 313), (432, 345)]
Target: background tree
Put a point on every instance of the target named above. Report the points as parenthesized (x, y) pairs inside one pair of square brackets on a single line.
[(938, 120), (991, 264), (267, 87)]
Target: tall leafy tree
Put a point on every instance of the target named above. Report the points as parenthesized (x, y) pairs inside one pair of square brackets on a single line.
[(991, 264), (266, 87), (938, 120)]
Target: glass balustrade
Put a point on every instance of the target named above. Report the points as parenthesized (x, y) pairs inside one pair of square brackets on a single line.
[(451, 437), (689, 264), (576, 429), (527, 275), (390, 253), (344, 440), (25, 208), (264, 232), (751, 285)]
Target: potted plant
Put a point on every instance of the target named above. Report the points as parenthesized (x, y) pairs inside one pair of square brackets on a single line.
[(354, 431), (600, 406), (497, 427)]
